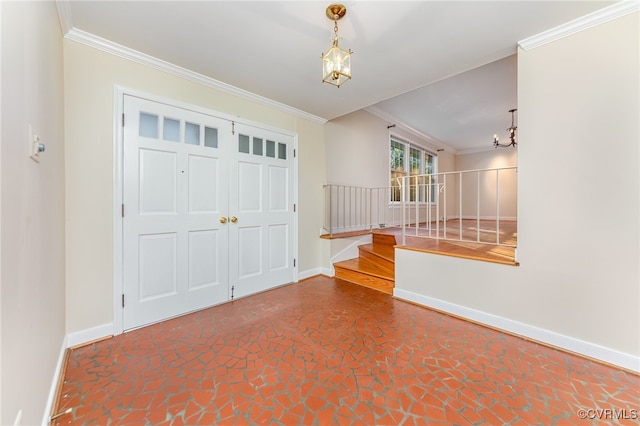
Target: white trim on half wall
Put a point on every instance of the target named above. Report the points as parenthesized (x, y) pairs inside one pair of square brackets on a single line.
[(537, 334)]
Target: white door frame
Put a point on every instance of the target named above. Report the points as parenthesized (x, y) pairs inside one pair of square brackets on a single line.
[(118, 181)]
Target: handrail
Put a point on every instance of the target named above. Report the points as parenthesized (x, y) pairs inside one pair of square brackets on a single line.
[(428, 205), (435, 187), (353, 208)]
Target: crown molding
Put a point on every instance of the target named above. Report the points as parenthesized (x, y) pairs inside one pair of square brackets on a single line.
[(64, 16), (436, 144), (108, 46), (598, 17), (476, 150)]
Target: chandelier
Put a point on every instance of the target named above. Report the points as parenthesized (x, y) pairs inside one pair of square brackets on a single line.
[(336, 63), (512, 134)]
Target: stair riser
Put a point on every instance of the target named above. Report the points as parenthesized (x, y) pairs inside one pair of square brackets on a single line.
[(382, 263), (375, 283), (384, 239)]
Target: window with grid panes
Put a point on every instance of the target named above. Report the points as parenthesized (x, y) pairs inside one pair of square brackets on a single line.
[(407, 160)]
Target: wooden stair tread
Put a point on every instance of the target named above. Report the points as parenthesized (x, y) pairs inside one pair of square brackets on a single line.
[(385, 286), (339, 235), (374, 267), (365, 267), (365, 273), (384, 251)]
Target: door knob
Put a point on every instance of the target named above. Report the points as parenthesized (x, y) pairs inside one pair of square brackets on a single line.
[(223, 219), (234, 219)]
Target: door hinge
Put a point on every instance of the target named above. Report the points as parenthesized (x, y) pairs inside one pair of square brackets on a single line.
[(122, 210), (294, 152), (123, 119), (233, 127), (123, 300), (294, 208), (294, 263), (232, 288)]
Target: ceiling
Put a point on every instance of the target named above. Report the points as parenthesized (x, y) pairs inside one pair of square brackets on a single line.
[(440, 68)]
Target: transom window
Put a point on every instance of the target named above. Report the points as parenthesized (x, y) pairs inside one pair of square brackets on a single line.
[(408, 160)]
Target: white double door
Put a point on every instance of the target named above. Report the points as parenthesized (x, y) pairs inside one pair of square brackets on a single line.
[(208, 211)]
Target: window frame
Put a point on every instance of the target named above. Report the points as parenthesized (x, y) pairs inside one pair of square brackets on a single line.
[(409, 149)]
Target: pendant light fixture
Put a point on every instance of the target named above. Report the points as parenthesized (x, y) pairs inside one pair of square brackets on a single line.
[(512, 134), (336, 63)]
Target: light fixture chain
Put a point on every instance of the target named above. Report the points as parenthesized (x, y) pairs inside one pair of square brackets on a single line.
[(336, 63)]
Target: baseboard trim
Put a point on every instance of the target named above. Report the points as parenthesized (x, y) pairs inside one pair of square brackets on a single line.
[(71, 340), (312, 273), (53, 390), (494, 218), (529, 332), (85, 336)]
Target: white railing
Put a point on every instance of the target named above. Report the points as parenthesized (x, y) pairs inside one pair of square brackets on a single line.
[(354, 208), (470, 206), (442, 205)]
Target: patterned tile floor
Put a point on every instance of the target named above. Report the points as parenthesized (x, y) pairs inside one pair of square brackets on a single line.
[(324, 352)]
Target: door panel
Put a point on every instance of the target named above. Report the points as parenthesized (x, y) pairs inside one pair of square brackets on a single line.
[(250, 251), (175, 249), (278, 246), (158, 171), (203, 259), (261, 197), (209, 211), (157, 266), (278, 182), (203, 175), (249, 180)]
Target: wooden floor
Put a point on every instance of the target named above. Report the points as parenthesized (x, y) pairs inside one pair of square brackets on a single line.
[(484, 231)]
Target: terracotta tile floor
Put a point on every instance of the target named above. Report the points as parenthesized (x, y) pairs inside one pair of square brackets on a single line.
[(324, 352)]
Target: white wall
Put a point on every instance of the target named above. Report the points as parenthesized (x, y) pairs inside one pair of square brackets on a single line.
[(357, 146), (491, 159), (578, 283), (90, 78), (353, 144), (32, 202), (357, 152)]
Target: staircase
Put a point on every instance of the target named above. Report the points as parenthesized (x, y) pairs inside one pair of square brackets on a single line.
[(374, 268)]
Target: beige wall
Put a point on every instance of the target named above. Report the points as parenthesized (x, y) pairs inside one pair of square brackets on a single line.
[(32, 201), (90, 77), (357, 145), (357, 152), (491, 159), (354, 144), (578, 104)]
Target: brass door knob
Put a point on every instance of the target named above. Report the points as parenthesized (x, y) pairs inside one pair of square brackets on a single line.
[(234, 219), (223, 219)]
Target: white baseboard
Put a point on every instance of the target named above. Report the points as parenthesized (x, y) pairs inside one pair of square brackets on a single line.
[(541, 335), (502, 218), (54, 384), (72, 339), (313, 272), (89, 335)]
